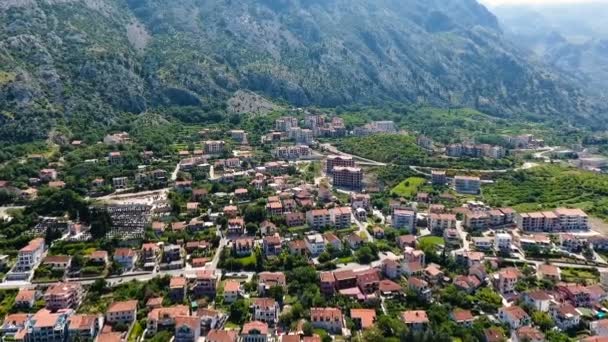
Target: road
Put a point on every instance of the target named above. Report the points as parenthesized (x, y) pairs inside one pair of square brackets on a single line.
[(362, 229)]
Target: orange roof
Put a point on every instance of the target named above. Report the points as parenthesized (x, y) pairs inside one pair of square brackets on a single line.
[(317, 314), (460, 315), (215, 335), (258, 326), (25, 295), (367, 316), (172, 311), (232, 286), (33, 245), (177, 282), (16, 319), (110, 337), (191, 322), (128, 305), (264, 303), (99, 255), (515, 312), (45, 318), (529, 333), (124, 252), (415, 316), (82, 322)]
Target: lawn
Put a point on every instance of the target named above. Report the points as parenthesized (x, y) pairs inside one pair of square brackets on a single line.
[(135, 332), (576, 275), (408, 187), (432, 240)]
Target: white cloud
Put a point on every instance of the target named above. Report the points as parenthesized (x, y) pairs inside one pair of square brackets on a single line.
[(533, 2)]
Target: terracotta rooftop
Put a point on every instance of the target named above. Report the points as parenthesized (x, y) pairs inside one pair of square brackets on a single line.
[(255, 326), (128, 305), (415, 316), (367, 316)]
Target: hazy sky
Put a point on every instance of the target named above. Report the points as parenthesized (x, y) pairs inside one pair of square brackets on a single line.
[(532, 2)]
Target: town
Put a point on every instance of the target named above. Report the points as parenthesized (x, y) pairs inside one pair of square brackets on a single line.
[(278, 235)]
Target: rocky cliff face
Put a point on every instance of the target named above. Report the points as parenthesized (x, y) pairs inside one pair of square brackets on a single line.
[(85, 61)]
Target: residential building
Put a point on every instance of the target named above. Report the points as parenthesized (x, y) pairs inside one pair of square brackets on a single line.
[(565, 316), (363, 318), (348, 177), (125, 257), (315, 244), (84, 327), (236, 226), (404, 219), (266, 310), (506, 279), (243, 246), (438, 223), (463, 318), (467, 185), (187, 329), (513, 316), (327, 283), (25, 298), (214, 146), (415, 320), (334, 161), (164, 317), (124, 312), (340, 217), (177, 289), (527, 334), (63, 296), (206, 283), (538, 299), (267, 280), (254, 332), (232, 289), (318, 218), (359, 201), (46, 326), (502, 242), (328, 319), (30, 255), (438, 177), (216, 335), (421, 288)]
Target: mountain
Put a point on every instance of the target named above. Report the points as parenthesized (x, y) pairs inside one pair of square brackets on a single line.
[(569, 37), (80, 63)]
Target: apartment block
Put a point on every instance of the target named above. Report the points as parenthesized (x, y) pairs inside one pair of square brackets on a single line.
[(348, 177)]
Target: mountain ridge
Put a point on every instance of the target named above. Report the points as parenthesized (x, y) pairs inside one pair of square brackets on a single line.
[(82, 62)]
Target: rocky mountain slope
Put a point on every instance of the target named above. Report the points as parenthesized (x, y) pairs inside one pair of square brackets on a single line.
[(81, 62)]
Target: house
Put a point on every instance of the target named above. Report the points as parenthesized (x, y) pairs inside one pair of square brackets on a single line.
[(538, 299), (236, 226), (421, 288), (406, 241), (231, 211), (25, 298), (99, 257), (467, 185), (363, 318), (527, 334), (315, 244), (328, 319), (368, 280), (150, 252), (206, 283), (269, 228), (389, 288), (266, 310), (318, 218), (243, 246), (154, 303), (124, 312), (599, 327), (216, 335), (468, 283), (391, 268), (415, 320), (345, 279), (254, 332), (506, 279), (359, 201), (550, 272), (494, 334), (187, 329), (433, 274), (502, 242), (327, 283), (575, 293), (177, 289), (565, 316), (267, 280), (483, 243), (378, 232), (164, 317), (125, 257), (438, 223), (353, 240), (14, 324), (210, 319), (272, 245), (84, 327), (274, 208), (232, 288), (513, 316), (63, 296), (333, 240), (462, 317), (297, 247)]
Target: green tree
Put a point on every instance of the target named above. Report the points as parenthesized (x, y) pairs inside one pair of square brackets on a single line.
[(542, 320)]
